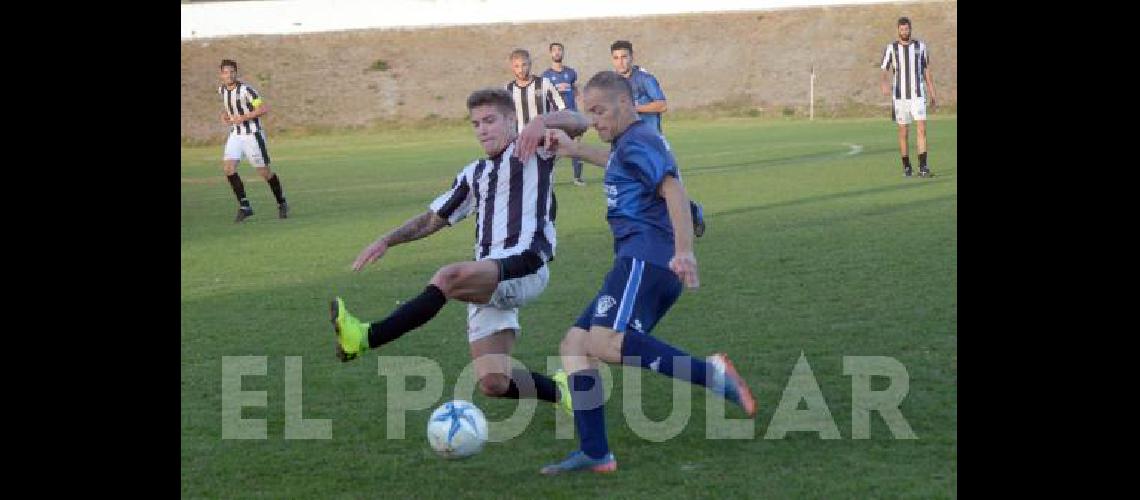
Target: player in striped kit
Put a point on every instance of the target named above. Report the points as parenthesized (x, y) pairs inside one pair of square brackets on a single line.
[(909, 59), (242, 111), (532, 95), (511, 200)]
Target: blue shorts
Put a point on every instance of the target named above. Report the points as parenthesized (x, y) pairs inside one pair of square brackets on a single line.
[(634, 296)]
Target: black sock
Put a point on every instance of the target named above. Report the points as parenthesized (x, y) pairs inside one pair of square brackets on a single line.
[(542, 388), (922, 161), (275, 185), (906, 162), (408, 317), (239, 189)]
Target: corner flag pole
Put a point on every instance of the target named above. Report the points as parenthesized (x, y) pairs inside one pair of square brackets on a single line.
[(811, 96)]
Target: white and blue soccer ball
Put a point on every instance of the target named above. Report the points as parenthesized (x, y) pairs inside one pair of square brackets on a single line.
[(457, 429)]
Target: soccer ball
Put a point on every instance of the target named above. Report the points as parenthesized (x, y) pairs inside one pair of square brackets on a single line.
[(457, 429)]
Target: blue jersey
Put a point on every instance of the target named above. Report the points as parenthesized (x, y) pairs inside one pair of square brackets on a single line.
[(567, 76), (638, 216), (646, 90)]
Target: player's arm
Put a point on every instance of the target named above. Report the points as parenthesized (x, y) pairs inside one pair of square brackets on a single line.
[(929, 78), (657, 105), (571, 122), (420, 226), (885, 83), (652, 107), (260, 107), (684, 263), (561, 144)]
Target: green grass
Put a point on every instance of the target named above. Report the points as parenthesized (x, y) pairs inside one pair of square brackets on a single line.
[(809, 250)]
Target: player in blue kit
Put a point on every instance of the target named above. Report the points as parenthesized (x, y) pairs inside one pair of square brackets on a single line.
[(648, 212), (565, 79), (649, 102)]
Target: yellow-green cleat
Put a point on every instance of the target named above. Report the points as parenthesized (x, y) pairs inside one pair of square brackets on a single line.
[(351, 333), (564, 401)]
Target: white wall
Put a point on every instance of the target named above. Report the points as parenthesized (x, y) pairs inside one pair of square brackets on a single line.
[(216, 19)]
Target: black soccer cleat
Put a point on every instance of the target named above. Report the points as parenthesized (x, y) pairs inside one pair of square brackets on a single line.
[(243, 213), (283, 210)]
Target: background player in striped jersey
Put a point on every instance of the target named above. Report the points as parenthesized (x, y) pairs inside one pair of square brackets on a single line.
[(242, 111), (909, 59), (649, 102), (532, 95), (514, 240), (565, 79)]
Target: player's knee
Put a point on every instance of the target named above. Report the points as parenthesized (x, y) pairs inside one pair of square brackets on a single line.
[(448, 278), (494, 385), (570, 346), (605, 346)]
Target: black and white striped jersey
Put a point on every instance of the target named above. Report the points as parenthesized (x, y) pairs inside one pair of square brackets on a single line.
[(538, 97), (909, 62), (513, 203), (242, 99)]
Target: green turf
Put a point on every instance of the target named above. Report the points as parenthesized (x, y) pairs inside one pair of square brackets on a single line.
[(810, 249)]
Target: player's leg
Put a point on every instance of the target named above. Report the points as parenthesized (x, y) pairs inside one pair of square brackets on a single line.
[(907, 171), (585, 384), (492, 333), (630, 304), (903, 117), (642, 294), (920, 132), (231, 155), (258, 154), (465, 281)]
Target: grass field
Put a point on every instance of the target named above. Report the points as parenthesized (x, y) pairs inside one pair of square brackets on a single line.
[(816, 246)]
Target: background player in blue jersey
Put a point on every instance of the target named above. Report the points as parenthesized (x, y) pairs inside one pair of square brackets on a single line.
[(565, 79), (649, 101), (653, 261)]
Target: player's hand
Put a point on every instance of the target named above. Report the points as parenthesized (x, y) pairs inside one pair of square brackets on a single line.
[(559, 143), (226, 119), (886, 90), (933, 103), (685, 266), (529, 139), (370, 254)]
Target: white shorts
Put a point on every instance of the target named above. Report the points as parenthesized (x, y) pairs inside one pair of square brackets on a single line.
[(251, 145), (907, 110), (502, 311)]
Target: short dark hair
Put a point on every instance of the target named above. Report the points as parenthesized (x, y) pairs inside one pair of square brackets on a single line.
[(497, 97), (904, 20), (228, 62), (520, 53), (622, 44), (551, 47), (610, 81)]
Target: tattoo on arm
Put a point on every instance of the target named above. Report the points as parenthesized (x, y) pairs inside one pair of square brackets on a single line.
[(420, 226)]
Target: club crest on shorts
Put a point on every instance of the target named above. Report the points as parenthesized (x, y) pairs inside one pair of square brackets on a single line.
[(605, 302)]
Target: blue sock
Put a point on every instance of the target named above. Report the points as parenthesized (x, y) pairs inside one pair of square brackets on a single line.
[(588, 395), (646, 351)]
